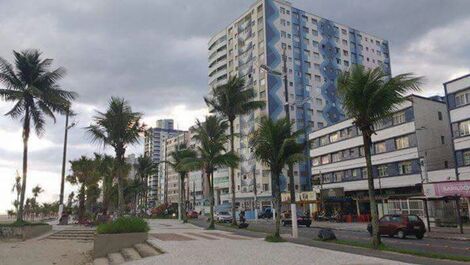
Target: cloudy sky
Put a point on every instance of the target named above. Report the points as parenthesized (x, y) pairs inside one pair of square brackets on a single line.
[(154, 53)]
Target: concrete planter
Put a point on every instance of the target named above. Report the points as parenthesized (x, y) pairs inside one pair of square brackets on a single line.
[(24, 232), (108, 243)]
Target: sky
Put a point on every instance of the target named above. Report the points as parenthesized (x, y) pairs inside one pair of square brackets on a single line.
[(154, 54)]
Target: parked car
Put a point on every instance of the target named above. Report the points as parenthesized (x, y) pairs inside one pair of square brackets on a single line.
[(224, 217), (192, 214), (400, 225), (302, 219), (266, 213)]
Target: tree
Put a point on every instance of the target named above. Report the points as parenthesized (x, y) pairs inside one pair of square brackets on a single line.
[(84, 175), (368, 96), (145, 168), (17, 187), (105, 170), (276, 146), (37, 190), (231, 100), (33, 88), (212, 138), (178, 160), (118, 127)]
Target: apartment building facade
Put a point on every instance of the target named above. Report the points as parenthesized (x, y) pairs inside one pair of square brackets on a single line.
[(154, 139), (317, 49), (410, 148)]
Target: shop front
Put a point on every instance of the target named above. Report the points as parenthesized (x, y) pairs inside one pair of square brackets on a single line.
[(306, 202)]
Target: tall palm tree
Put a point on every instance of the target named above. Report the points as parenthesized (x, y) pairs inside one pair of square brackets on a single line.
[(178, 161), (145, 168), (33, 87), (212, 138), (276, 146), (368, 96), (17, 187), (84, 175), (105, 170), (118, 127), (37, 190), (231, 100)]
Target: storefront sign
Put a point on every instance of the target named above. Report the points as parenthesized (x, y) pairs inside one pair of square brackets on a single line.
[(306, 196), (451, 188)]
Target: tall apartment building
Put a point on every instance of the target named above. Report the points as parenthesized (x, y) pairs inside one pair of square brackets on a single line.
[(153, 142), (410, 148), (458, 100), (317, 49)]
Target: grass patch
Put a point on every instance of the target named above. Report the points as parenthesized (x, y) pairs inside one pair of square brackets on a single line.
[(20, 224), (124, 225), (383, 247), (274, 239)]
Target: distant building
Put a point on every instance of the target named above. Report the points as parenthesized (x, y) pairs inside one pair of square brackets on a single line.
[(410, 148), (154, 139), (131, 160)]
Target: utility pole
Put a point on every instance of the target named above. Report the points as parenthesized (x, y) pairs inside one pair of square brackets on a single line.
[(64, 159)]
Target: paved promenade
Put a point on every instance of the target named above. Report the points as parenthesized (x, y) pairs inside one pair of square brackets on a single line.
[(188, 244)]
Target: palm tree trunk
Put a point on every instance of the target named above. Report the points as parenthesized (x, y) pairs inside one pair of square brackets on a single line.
[(277, 204), (26, 130), (211, 202), (81, 204), (366, 136), (121, 163), (232, 173), (182, 198)]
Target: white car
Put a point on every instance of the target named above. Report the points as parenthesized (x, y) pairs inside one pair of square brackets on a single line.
[(224, 217)]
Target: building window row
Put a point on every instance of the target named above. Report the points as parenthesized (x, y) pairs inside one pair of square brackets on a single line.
[(389, 145), (461, 128), (462, 98), (383, 170), (350, 132), (463, 157)]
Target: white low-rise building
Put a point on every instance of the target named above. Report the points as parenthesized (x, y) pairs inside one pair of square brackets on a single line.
[(411, 147)]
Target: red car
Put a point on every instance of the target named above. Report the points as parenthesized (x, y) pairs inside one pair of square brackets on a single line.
[(401, 225), (192, 214)]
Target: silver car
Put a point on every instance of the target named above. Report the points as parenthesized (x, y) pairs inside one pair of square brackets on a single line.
[(224, 217)]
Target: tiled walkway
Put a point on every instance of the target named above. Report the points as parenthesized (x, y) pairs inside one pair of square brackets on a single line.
[(188, 244)]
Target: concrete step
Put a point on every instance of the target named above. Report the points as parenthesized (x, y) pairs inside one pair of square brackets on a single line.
[(145, 250), (69, 238), (116, 258), (130, 254), (101, 261), (73, 235)]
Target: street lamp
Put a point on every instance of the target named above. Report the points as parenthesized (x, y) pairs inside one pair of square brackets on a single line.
[(64, 158)]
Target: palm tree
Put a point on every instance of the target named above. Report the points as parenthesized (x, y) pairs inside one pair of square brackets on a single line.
[(17, 187), (118, 127), (276, 146), (145, 168), (33, 87), (178, 161), (105, 170), (212, 138), (368, 96), (37, 190), (231, 100), (84, 175)]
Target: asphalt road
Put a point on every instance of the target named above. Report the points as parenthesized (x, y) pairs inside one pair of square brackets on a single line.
[(455, 247)]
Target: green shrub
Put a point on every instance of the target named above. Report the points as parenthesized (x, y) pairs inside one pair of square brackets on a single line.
[(21, 224), (124, 225)]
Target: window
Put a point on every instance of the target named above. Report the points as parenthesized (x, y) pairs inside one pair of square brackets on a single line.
[(323, 139), (462, 98), (382, 170), (316, 161), (319, 101), (345, 42), (466, 158), (402, 142), (334, 137), (336, 157), (320, 125), (364, 172), (399, 118), (464, 128), (439, 115), (315, 44), (338, 176), (325, 159), (404, 168), (314, 32), (442, 139), (380, 148)]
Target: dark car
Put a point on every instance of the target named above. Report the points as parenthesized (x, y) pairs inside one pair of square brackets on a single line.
[(192, 214), (302, 219), (400, 225), (266, 213)]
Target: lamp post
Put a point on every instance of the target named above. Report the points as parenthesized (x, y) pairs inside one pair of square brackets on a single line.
[(64, 158)]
